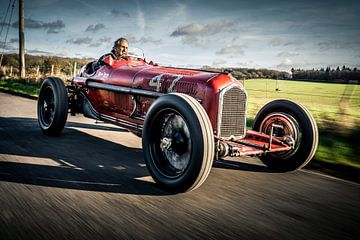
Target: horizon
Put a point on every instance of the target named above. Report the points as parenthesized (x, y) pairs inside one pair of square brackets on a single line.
[(276, 35)]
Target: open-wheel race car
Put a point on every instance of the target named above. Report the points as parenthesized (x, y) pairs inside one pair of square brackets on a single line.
[(187, 118)]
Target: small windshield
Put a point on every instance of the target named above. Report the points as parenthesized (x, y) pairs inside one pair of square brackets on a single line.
[(135, 52)]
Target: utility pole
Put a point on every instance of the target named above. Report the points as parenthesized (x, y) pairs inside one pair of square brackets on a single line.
[(21, 40)]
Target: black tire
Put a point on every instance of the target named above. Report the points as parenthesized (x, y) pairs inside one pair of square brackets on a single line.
[(297, 122), (178, 142), (52, 107)]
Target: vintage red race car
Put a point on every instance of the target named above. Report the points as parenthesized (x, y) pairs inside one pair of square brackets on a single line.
[(187, 118)]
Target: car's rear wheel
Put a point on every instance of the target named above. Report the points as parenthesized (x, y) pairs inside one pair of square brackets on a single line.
[(52, 106), (295, 125), (178, 142)]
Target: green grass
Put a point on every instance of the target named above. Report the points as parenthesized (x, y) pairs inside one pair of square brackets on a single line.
[(326, 101), (20, 87)]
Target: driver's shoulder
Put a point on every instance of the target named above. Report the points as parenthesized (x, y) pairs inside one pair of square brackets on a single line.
[(107, 55)]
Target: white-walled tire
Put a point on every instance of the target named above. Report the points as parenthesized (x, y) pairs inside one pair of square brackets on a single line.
[(298, 123), (178, 142)]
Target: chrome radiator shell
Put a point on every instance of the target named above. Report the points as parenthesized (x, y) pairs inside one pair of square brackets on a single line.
[(232, 112)]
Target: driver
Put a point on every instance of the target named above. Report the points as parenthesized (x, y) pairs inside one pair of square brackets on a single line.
[(118, 52)]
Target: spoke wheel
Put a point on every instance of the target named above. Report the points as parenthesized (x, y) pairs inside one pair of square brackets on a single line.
[(289, 132), (178, 142), (298, 128), (171, 146)]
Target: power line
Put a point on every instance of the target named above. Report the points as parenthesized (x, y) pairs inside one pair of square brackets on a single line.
[(3, 21), (7, 32)]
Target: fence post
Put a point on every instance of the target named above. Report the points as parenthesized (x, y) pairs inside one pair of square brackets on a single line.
[(267, 80), (52, 69), (74, 69), (37, 71)]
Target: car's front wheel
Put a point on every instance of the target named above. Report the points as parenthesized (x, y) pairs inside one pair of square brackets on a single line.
[(178, 142), (295, 125), (52, 106)]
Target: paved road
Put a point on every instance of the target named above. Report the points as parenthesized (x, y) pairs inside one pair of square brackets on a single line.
[(91, 183)]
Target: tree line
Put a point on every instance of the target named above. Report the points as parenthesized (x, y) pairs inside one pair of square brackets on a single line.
[(59, 65), (251, 73), (340, 75), (343, 74)]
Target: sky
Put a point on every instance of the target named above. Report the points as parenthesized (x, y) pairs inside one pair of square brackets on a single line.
[(192, 33)]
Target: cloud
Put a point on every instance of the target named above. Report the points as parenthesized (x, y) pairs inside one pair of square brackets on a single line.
[(39, 52), (14, 40), (144, 40), (219, 62), (190, 33), (287, 54), (89, 41), (54, 31), (54, 27), (4, 24), (150, 40), (29, 23), (95, 27), (191, 29), (344, 45), (278, 42), (324, 46), (285, 64), (293, 43), (131, 39), (117, 13), (100, 41), (140, 18), (95, 44), (105, 39), (51, 27), (191, 40), (80, 41), (275, 42), (249, 64), (231, 49), (9, 42), (7, 46), (195, 29)]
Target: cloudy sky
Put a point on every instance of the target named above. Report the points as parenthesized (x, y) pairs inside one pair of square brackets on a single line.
[(191, 33)]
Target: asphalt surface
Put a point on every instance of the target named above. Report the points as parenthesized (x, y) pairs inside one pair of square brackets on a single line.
[(92, 183)]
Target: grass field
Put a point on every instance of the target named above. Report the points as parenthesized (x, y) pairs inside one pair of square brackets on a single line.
[(20, 87), (336, 108), (326, 101)]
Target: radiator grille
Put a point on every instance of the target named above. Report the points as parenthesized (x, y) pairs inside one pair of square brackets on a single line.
[(233, 112)]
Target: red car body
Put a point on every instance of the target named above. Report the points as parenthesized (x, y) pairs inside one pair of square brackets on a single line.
[(150, 81), (137, 74), (187, 118)]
